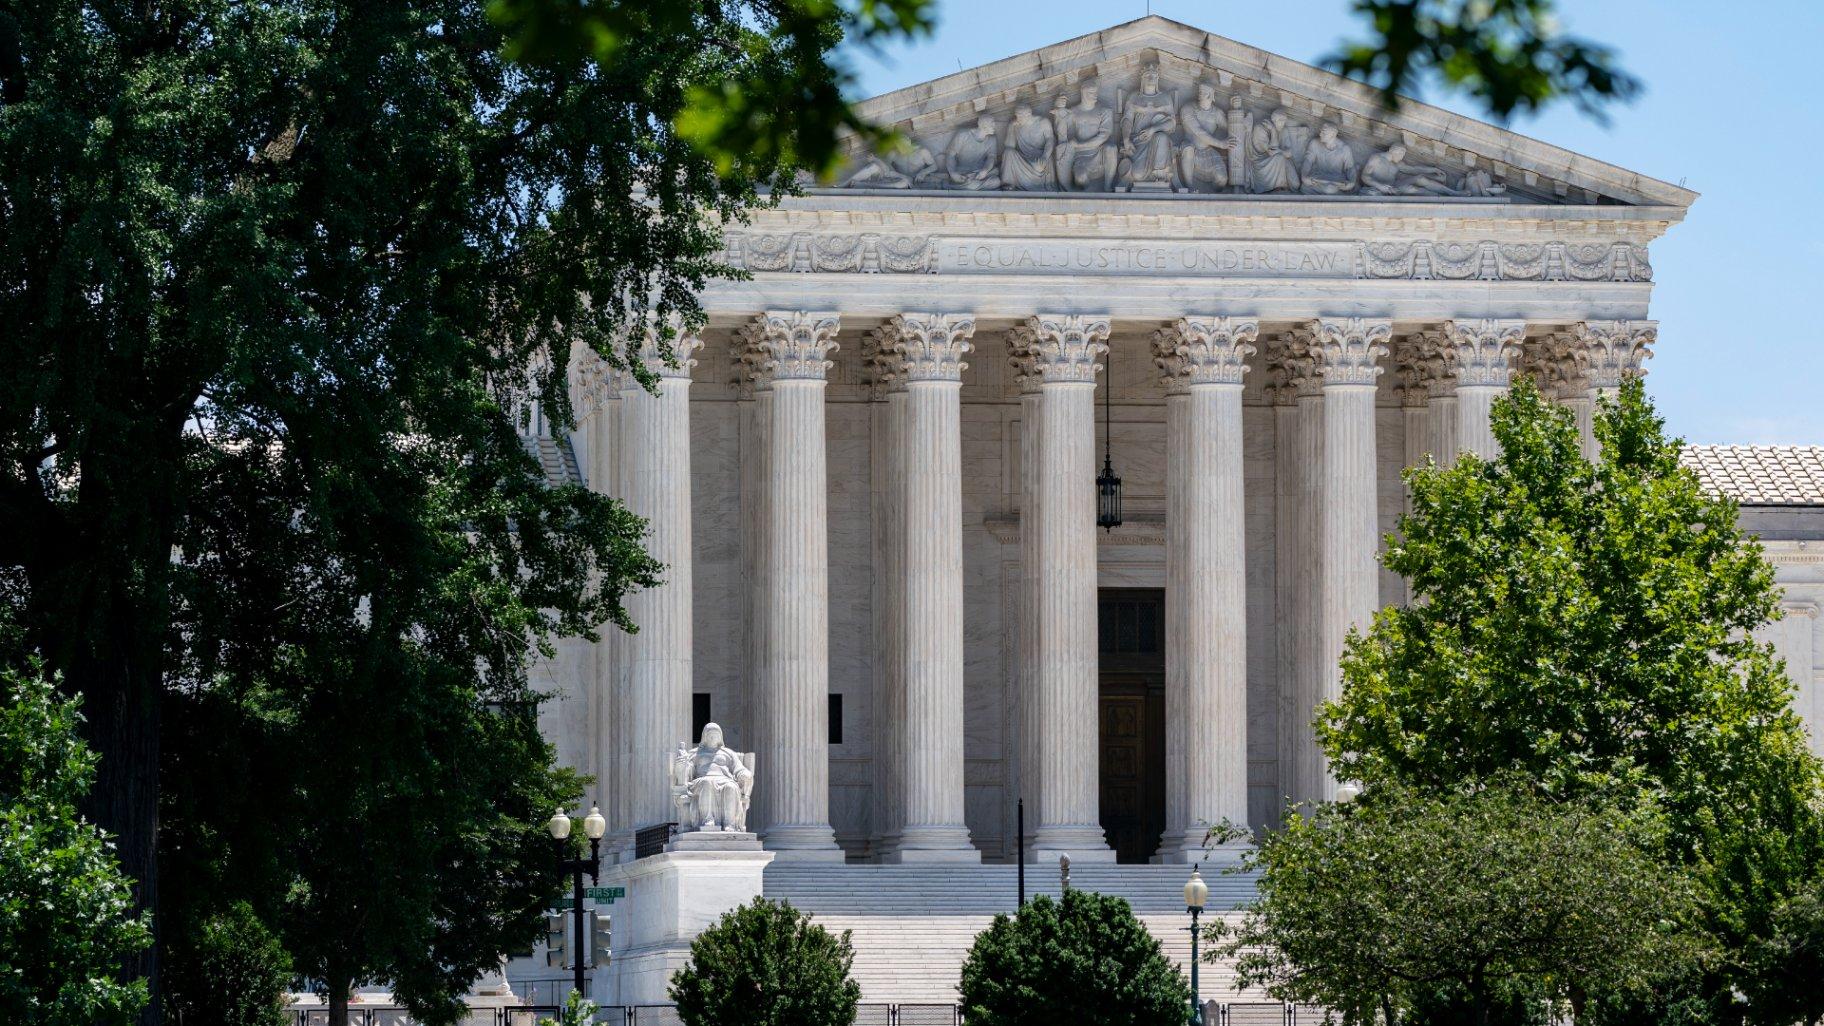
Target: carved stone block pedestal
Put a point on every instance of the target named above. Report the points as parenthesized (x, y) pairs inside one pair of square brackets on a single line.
[(671, 898), (714, 840)]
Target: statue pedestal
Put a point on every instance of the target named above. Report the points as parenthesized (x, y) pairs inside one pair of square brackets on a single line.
[(714, 840), (671, 898)]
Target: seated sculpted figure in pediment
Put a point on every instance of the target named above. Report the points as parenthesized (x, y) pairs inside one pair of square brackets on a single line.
[(711, 785), (1087, 151), (1147, 125), (1329, 164), (1203, 161), (973, 158), (1026, 159)]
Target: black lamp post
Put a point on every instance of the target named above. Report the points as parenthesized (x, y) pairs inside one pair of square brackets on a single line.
[(594, 826), (1108, 486), (1196, 892)]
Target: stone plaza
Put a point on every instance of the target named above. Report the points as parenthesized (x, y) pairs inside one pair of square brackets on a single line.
[(1239, 282)]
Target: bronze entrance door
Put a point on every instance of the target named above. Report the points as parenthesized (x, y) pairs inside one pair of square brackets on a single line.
[(1131, 628)]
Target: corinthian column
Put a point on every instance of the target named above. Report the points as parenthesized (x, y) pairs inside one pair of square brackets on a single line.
[(1484, 352), (1299, 553), (1020, 346), (1065, 351), (889, 379), (1438, 370), (655, 476), (1348, 351), (1611, 352), (1206, 581), (794, 760), (932, 347), (598, 411)]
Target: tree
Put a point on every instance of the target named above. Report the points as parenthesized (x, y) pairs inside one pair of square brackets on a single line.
[(767, 964), (1478, 905), (1588, 628), (66, 910), (1787, 982), (228, 970), (1083, 959)]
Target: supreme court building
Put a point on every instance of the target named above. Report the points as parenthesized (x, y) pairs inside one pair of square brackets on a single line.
[(1254, 291)]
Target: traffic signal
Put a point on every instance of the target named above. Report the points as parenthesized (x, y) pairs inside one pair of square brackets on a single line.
[(557, 940), (601, 940)]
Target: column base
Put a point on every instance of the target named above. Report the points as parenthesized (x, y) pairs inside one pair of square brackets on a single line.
[(1083, 843), (932, 844), (803, 843)]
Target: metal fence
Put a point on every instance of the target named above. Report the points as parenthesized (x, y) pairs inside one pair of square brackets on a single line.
[(868, 1014)]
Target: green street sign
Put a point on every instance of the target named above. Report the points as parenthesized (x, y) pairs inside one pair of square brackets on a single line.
[(604, 895)]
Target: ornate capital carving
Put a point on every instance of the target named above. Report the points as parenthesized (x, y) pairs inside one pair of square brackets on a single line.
[(593, 381), (1484, 350), (932, 346), (795, 344), (1021, 341), (1292, 367), (886, 368), (1214, 350), (1066, 348), (1410, 370), (682, 345), (1556, 365), (1168, 360), (1614, 351), (1348, 349)]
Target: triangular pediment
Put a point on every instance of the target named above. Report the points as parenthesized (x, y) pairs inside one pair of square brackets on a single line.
[(1268, 113)]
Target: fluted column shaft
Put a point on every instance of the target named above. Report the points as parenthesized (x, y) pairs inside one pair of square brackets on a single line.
[(794, 765), (1484, 352), (1066, 351), (1030, 671), (892, 735), (1206, 556), (655, 428), (1299, 439), (599, 412), (1348, 354), (1178, 517), (932, 347)]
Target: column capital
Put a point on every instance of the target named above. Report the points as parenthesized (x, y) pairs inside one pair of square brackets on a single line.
[(1484, 350), (1292, 367), (1348, 348), (886, 367), (1212, 350), (1066, 347), (1556, 364), (796, 344), (1409, 362), (932, 346), (1614, 351), (1021, 341), (1437, 368), (671, 357), (594, 381)]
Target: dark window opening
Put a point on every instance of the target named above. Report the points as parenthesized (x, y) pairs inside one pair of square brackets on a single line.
[(835, 719), (699, 713)]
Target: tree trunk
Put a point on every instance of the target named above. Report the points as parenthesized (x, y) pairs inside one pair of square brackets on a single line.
[(338, 1004)]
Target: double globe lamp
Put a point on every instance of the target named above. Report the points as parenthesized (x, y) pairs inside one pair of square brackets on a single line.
[(594, 826)]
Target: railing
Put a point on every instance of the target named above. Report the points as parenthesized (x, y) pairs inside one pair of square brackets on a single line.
[(1263, 1013)]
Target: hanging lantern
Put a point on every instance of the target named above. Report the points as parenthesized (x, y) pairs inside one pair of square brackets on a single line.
[(1108, 485)]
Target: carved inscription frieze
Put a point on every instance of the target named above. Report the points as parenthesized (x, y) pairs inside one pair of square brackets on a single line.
[(1418, 260)]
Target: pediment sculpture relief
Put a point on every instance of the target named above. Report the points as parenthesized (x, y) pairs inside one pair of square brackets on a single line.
[(1152, 140)]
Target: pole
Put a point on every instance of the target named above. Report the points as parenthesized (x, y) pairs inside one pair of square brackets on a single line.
[(576, 952), (1019, 856), (1196, 1005)]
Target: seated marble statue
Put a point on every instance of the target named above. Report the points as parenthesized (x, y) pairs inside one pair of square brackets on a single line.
[(1329, 164), (973, 158), (1203, 160), (1026, 159), (1270, 150), (1087, 153), (1388, 174), (711, 785), (1147, 125), (920, 166)]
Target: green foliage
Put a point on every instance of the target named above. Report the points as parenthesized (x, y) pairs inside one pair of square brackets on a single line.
[(226, 970), (1478, 905), (1787, 983), (1587, 628), (1084, 959), (783, 99), (578, 1011), (767, 964), (1508, 55), (66, 910)]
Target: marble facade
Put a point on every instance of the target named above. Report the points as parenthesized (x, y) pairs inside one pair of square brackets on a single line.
[(872, 475)]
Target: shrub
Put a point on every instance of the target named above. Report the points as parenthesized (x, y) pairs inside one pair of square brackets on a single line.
[(227, 970), (1084, 960), (767, 964)]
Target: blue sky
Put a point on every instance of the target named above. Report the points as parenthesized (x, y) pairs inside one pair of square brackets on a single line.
[(1731, 109)]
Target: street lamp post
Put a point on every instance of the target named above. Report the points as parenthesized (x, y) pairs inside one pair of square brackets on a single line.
[(594, 826), (1196, 892)]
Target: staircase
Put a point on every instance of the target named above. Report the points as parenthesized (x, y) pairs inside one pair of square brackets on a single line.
[(912, 926)]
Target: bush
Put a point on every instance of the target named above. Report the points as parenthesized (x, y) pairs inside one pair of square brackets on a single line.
[(1084, 960), (227, 970), (767, 964), (66, 909)]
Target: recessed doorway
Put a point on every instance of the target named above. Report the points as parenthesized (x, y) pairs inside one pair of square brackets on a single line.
[(1131, 714)]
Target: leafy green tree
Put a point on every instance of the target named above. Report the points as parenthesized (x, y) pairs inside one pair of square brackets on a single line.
[(66, 910), (227, 970), (1472, 906), (1787, 984), (1082, 959), (1587, 628), (767, 964)]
